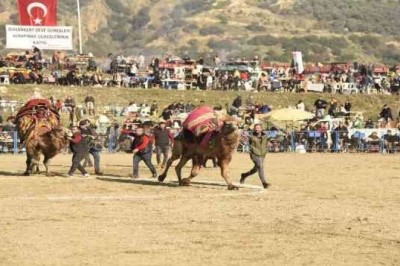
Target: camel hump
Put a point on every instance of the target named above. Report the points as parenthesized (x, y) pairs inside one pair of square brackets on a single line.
[(201, 120)]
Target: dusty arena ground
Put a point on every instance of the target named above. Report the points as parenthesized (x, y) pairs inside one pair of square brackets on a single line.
[(322, 209)]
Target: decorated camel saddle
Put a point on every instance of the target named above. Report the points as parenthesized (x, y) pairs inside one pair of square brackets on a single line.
[(36, 117), (201, 125)]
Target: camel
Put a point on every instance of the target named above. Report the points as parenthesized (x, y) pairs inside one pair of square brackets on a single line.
[(49, 144), (222, 145), (39, 129)]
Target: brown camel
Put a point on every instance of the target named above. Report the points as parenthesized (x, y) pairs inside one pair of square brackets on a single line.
[(49, 144), (221, 146), (39, 129)]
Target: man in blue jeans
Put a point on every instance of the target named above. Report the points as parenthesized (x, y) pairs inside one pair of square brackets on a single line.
[(142, 150), (258, 142)]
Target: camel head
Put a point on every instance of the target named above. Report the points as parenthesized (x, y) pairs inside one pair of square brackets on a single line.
[(230, 125)]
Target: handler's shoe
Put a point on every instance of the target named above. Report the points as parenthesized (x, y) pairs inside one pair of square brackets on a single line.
[(133, 176), (99, 173), (86, 175)]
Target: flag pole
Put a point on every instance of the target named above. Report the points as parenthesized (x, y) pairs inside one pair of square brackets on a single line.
[(79, 26)]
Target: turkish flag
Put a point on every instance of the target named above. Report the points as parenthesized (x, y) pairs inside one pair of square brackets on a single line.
[(37, 12)]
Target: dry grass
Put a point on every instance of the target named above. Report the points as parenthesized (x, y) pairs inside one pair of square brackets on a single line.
[(370, 104)]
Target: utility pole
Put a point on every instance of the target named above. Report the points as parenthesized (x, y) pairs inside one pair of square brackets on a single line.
[(79, 26)]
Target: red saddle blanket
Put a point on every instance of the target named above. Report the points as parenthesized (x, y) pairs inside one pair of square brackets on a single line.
[(202, 122), (40, 108)]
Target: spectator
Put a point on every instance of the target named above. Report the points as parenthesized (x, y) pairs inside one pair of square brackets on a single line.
[(69, 104), (166, 114), (163, 140), (341, 133), (347, 107), (142, 150), (217, 61), (89, 102), (386, 114), (181, 107), (189, 107), (369, 123), (80, 150), (250, 102), (320, 105), (58, 105), (90, 135), (373, 139), (390, 141), (301, 106), (154, 108), (237, 104)]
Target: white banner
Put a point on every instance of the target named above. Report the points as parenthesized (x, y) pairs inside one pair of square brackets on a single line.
[(298, 62), (47, 38)]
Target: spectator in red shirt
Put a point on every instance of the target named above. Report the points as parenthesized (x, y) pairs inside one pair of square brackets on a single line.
[(243, 76), (142, 150)]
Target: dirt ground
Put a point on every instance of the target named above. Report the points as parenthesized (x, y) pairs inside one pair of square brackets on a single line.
[(322, 209)]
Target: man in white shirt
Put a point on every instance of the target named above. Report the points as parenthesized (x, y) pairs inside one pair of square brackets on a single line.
[(301, 106)]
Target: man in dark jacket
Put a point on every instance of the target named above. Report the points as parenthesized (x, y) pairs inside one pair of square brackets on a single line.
[(320, 104), (258, 150), (79, 150), (166, 114), (89, 102), (90, 135), (162, 139), (142, 150), (386, 114), (69, 104)]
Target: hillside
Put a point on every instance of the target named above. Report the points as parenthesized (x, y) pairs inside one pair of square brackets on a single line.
[(325, 30)]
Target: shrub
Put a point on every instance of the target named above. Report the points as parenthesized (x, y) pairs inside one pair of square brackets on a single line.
[(211, 30)]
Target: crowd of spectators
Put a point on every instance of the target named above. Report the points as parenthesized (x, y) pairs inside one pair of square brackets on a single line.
[(181, 73)]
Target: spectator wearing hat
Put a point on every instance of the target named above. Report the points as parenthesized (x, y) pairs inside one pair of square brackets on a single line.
[(142, 150), (90, 135), (162, 140)]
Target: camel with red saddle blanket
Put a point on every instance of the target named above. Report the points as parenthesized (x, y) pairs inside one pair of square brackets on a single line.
[(39, 128), (205, 135)]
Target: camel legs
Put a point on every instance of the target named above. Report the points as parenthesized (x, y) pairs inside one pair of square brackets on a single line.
[(46, 163), (173, 158), (223, 165), (28, 165), (31, 163), (178, 169), (176, 154), (197, 163)]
